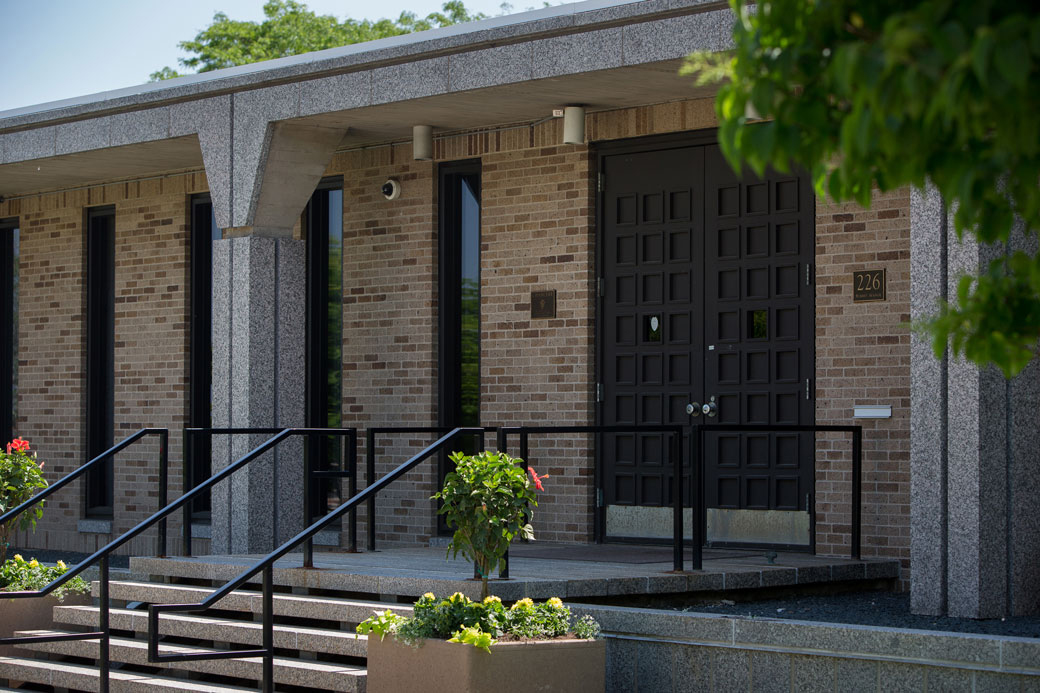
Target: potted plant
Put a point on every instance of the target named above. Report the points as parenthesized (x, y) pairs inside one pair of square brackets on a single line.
[(21, 476), (18, 575), (487, 500), (456, 644)]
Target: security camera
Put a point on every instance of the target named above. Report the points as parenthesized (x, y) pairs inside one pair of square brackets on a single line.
[(391, 189)]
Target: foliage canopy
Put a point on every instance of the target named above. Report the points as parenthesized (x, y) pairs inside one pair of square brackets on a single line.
[(290, 29), (890, 93)]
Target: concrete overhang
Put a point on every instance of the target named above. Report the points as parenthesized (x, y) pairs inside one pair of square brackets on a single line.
[(604, 55)]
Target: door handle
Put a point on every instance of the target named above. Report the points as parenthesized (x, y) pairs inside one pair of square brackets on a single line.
[(693, 409), (710, 408)]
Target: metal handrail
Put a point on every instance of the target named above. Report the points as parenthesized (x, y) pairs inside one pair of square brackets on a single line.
[(676, 453), (83, 469), (266, 566), (101, 555), (370, 463), (309, 475), (857, 468), (103, 635)]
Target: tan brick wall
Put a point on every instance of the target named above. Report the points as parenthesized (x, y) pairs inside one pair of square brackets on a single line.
[(538, 234), (389, 324), (863, 357), (150, 343)]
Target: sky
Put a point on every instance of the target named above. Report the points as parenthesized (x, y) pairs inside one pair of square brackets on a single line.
[(58, 49)]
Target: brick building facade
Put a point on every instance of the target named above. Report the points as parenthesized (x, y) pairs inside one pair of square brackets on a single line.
[(148, 154)]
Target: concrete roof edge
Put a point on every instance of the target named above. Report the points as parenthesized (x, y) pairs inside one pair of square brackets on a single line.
[(526, 26)]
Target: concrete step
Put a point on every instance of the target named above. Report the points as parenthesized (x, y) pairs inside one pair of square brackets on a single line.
[(326, 641), (311, 674), (85, 678), (350, 611)]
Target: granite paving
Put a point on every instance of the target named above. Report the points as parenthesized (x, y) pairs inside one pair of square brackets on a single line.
[(410, 572)]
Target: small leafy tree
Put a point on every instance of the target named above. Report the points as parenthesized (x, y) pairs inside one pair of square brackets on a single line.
[(890, 93), (20, 478), (486, 500)]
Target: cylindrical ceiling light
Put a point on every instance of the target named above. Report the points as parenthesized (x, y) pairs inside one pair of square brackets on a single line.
[(422, 142), (574, 125)]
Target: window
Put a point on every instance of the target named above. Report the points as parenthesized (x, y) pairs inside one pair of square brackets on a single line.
[(460, 295), (9, 255), (204, 231), (100, 353), (324, 408)]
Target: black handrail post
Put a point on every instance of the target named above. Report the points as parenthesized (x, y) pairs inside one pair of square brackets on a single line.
[(857, 488), (501, 441), (351, 439), (370, 473), (700, 514), (524, 451), (675, 440), (268, 682), (310, 448), (104, 641), (163, 489), (188, 442)]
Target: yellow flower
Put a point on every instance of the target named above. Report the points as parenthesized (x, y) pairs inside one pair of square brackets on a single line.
[(61, 564), (18, 558), (492, 599), (555, 602), (429, 595), (524, 603), (34, 564), (458, 597)]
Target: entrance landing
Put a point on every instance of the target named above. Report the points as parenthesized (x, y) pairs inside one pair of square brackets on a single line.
[(537, 570)]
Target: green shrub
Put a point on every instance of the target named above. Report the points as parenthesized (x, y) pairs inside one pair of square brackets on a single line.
[(19, 575), (459, 619)]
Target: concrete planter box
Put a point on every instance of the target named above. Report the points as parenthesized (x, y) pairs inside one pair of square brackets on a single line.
[(31, 614), (439, 666)]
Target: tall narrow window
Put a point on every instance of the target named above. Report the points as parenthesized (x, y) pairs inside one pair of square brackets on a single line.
[(324, 228), (460, 295), (204, 231), (8, 328), (101, 224)]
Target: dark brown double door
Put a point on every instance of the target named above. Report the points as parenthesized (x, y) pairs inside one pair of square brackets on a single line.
[(707, 298)]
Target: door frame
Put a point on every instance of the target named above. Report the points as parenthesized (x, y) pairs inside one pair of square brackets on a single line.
[(601, 150)]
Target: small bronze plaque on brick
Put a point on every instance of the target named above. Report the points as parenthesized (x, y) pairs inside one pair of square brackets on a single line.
[(543, 304), (868, 285)]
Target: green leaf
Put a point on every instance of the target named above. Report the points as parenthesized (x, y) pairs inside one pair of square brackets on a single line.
[(980, 53), (1013, 62)]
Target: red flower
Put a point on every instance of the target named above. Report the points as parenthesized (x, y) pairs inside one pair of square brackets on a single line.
[(537, 479), (18, 445)]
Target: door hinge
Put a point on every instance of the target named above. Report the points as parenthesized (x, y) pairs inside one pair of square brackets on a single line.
[(601, 182), (599, 392), (808, 274), (807, 388), (601, 288), (599, 498)]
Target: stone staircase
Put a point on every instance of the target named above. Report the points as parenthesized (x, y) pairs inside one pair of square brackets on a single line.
[(315, 643)]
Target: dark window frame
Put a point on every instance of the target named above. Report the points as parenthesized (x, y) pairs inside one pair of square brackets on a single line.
[(100, 356), (200, 349), (450, 292), (9, 256), (326, 451)]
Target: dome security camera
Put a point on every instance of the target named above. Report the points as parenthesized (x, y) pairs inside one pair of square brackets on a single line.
[(391, 189)]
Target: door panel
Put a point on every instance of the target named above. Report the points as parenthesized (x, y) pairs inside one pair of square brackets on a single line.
[(707, 293), (653, 227), (758, 332)]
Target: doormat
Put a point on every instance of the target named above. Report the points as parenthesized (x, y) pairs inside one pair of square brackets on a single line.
[(616, 553)]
